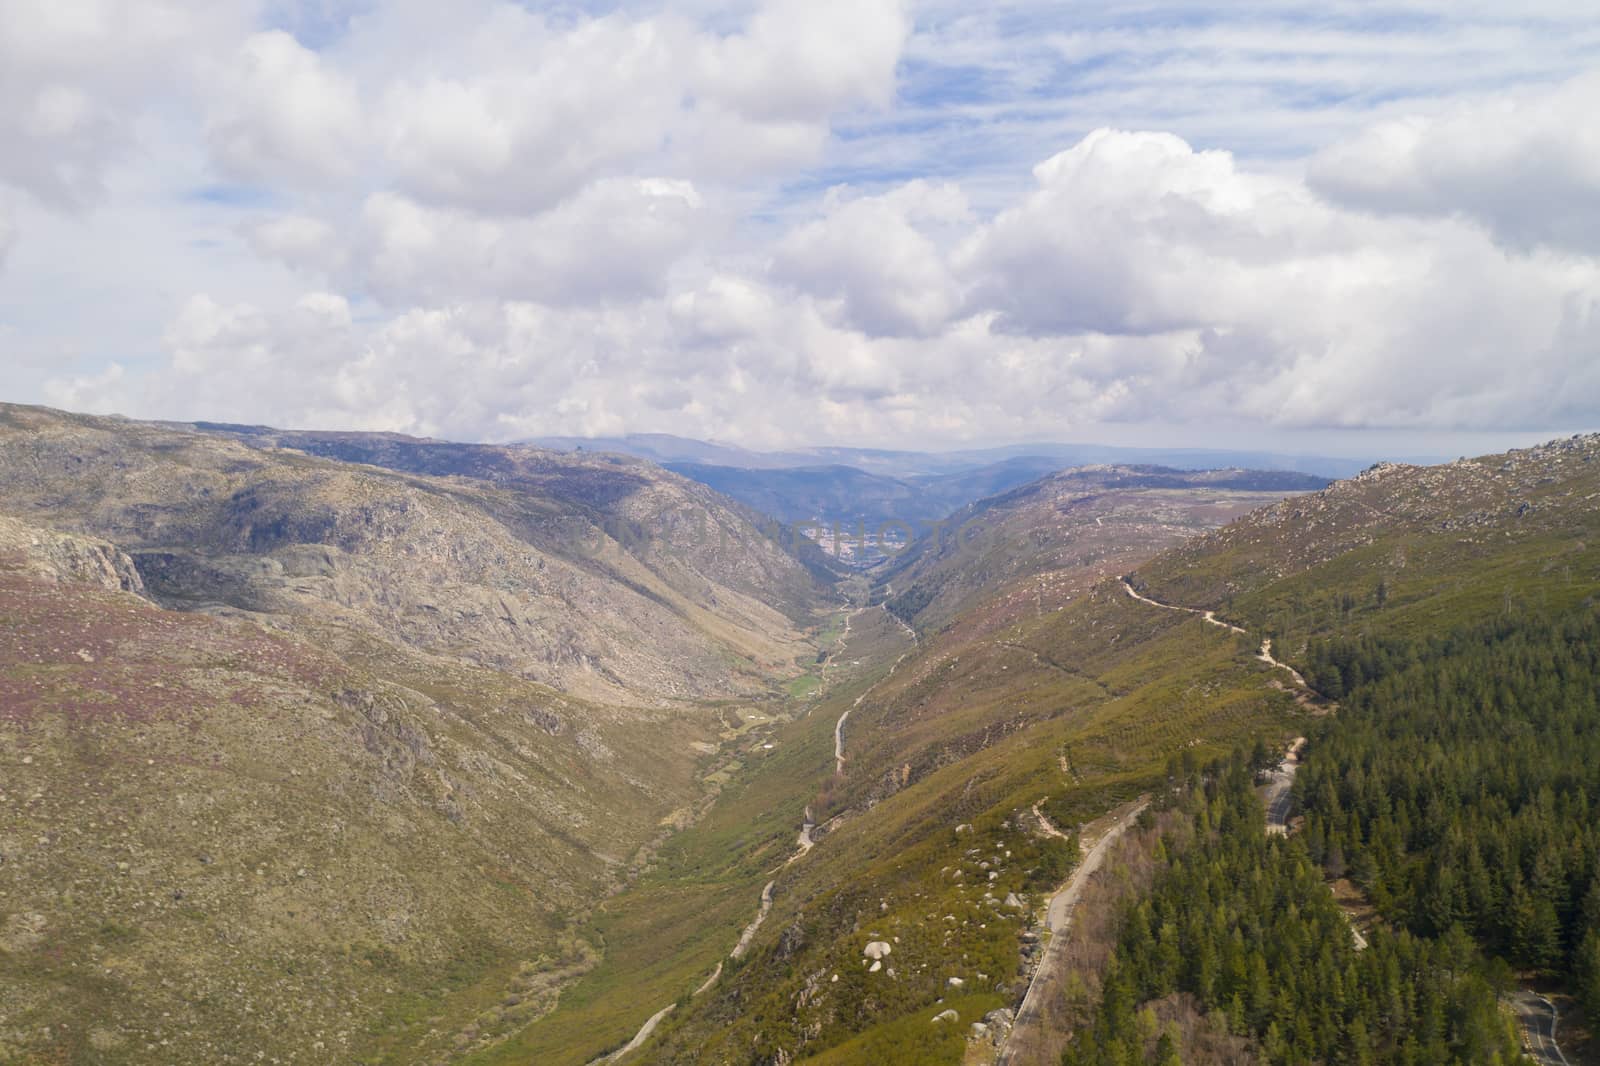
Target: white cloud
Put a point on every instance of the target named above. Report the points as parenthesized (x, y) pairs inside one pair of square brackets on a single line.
[(74, 77), (876, 259), (282, 114), (527, 113), (1526, 165), (803, 60), (616, 239), (524, 111), (1194, 287), (787, 221), (299, 241), (8, 233), (725, 309), (1125, 233), (241, 342)]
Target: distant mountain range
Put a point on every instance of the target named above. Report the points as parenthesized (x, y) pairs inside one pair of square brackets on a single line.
[(666, 449), (848, 495), (852, 486)]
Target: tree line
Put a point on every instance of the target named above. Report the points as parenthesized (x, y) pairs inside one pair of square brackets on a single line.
[(1460, 786), (1242, 925)]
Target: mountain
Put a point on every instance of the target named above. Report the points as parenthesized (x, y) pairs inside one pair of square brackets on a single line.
[(938, 766), (853, 501), (363, 748), (804, 494), (667, 449), (600, 575), (1044, 527), (904, 492), (327, 761), (859, 503)]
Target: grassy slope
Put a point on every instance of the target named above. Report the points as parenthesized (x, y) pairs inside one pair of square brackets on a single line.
[(218, 839), (1448, 544), (1083, 706), (665, 935), (887, 869), (1076, 696)]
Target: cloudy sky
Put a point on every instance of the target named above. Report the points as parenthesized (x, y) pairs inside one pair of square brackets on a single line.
[(1336, 225)]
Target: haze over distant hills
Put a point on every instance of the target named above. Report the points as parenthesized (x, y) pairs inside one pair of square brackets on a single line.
[(666, 449), (869, 486)]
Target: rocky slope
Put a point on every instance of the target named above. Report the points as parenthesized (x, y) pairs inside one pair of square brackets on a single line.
[(323, 757), (65, 558), (600, 576), (1409, 528), (1069, 521), (218, 840)]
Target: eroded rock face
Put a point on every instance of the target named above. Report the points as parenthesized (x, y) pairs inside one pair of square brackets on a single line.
[(607, 578), (68, 557)]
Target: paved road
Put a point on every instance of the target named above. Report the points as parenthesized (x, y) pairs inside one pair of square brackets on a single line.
[(1537, 1020), (1058, 915), (1279, 788)]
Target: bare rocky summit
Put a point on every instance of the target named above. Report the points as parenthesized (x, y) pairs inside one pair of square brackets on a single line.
[(1545, 495)]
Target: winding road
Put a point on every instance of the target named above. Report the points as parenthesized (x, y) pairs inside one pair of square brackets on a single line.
[(749, 933), (1537, 1019), (1265, 654), (644, 1033), (1058, 916), (803, 844), (838, 735), (838, 727), (1279, 789)]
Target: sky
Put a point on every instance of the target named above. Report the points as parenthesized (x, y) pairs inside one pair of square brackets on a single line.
[(1339, 227)]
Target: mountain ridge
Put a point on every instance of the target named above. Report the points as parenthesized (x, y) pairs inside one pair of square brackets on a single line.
[(666, 448), (660, 579)]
